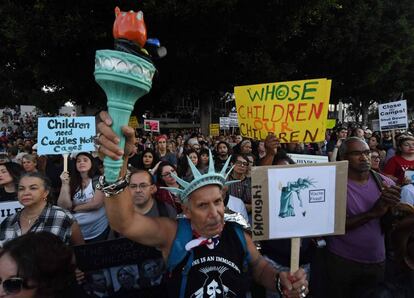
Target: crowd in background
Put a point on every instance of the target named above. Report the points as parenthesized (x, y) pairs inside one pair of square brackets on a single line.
[(71, 208)]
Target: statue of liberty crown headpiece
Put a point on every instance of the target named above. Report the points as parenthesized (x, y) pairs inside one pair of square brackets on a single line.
[(200, 180)]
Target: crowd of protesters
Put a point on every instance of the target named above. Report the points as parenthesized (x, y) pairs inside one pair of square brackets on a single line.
[(68, 205)]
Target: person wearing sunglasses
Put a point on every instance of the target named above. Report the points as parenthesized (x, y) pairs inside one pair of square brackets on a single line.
[(375, 160), (44, 272), (165, 179)]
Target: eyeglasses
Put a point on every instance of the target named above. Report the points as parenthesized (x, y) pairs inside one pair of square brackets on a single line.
[(242, 163), (375, 157), (359, 153), (167, 174), (14, 285), (141, 187)]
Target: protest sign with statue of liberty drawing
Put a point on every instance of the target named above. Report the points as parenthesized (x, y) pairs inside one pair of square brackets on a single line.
[(299, 200)]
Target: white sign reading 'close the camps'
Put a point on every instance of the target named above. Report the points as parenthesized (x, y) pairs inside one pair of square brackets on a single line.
[(305, 158), (60, 135), (393, 115), (9, 208)]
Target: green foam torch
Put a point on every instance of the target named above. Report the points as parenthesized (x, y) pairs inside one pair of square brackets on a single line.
[(125, 78)]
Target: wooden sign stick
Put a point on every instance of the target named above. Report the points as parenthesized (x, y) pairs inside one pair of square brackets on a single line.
[(294, 254), (65, 162), (394, 143)]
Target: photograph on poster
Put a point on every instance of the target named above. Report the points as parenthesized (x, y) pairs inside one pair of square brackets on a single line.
[(125, 279), (301, 201)]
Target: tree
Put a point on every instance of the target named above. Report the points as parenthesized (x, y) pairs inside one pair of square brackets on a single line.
[(365, 47)]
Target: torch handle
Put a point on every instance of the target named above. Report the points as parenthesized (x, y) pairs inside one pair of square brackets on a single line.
[(120, 117)]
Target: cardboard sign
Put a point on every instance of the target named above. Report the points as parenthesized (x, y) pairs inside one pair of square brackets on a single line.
[(224, 123), (294, 111), (306, 159), (9, 208), (299, 200), (393, 115), (152, 125), (59, 135)]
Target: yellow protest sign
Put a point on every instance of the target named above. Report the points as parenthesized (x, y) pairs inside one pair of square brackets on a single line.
[(295, 111), (133, 122), (214, 129), (330, 123)]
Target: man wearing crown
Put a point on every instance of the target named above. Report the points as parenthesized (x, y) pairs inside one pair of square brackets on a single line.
[(207, 252)]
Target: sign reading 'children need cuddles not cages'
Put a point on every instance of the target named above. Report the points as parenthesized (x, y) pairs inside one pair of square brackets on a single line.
[(60, 135), (299, 200)]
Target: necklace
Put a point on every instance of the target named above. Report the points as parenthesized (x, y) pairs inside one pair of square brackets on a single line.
[(30, 221)]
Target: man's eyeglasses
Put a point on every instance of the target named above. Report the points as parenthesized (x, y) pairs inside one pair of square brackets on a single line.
[(242, 163), (359, 153), (14, 285), (141, 187)]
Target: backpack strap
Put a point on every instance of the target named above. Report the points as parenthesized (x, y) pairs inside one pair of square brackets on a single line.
[(378, 179), (178, 251), (240, 234)]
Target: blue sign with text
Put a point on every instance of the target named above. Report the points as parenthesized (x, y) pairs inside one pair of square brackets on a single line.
[(61, 135)]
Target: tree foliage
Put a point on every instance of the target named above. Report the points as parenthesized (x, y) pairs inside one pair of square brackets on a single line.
[(365, 46)]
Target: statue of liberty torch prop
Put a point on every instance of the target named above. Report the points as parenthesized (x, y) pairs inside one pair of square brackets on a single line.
[(125, 78)]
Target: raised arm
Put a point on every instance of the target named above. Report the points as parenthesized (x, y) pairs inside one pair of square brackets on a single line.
[(64, 200), (157, 232), (271, 144)]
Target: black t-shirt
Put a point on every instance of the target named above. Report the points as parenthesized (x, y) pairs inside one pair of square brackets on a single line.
[(7, 196), (218, 271)]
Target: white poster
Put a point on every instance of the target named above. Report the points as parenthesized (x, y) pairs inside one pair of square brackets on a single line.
[(305, 158), (393, 115), (234, 121), (224, 123), (303, 206), (9, 208)]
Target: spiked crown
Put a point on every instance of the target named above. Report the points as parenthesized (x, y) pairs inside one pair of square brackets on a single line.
[(200, 180)]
